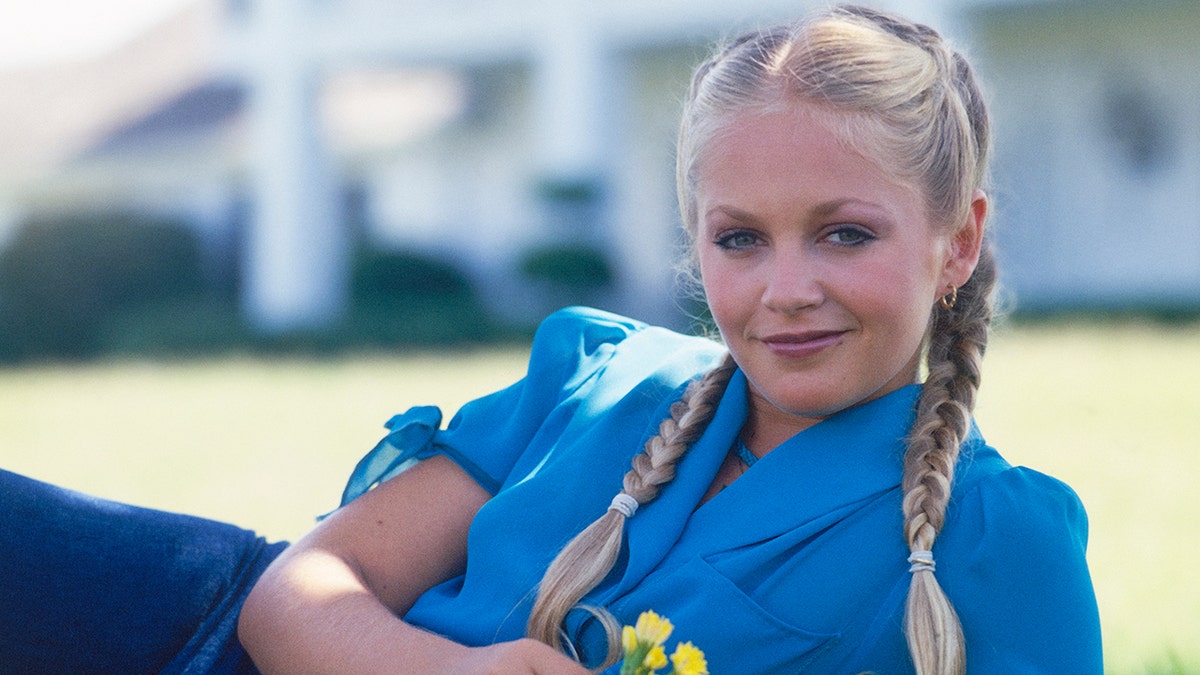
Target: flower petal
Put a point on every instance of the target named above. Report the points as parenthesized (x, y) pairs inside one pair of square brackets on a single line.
[(688, 660)]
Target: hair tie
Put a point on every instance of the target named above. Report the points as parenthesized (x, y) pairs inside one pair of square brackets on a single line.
[(922, 561), (624, 504)]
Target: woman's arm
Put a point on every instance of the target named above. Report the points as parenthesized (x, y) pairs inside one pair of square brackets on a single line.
[(331, 602)]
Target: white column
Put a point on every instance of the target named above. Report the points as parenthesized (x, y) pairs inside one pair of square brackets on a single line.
[(295, 266), (571, 110)]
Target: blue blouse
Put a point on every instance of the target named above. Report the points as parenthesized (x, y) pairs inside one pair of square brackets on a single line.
[(799, 565)]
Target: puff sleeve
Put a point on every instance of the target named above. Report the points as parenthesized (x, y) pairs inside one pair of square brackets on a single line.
[(488, 435), (1016, 572)]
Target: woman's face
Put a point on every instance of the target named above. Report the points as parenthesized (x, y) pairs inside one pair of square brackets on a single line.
[(821, 269)]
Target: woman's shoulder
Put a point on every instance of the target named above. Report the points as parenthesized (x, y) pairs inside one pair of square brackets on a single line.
[(1017, 498), (580, 341), (1013, 561), (1006, 520), (588, 328), (579, 320)]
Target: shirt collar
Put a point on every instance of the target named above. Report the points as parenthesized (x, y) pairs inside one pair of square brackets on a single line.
[(846, 458)]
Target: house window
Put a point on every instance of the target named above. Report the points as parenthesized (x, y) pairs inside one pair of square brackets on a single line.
[(1137, 127)]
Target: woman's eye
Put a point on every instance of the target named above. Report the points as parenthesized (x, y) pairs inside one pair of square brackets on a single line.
[(736, 240), (849, 236)]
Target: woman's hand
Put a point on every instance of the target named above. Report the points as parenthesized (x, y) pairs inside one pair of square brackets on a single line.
[(522, 657)]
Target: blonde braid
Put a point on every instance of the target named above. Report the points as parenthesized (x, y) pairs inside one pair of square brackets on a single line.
[(588, 558), (957, 344)]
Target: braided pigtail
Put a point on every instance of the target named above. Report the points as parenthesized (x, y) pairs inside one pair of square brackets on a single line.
[(588, 558), (957, 343)]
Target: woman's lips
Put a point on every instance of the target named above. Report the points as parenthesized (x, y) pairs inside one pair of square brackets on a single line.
[(803, 344)]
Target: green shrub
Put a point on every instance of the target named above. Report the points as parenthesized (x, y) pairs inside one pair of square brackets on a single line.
[(572, 266), (91, 285), (191, 327), (382, 278), (64, 280), (409, 298)]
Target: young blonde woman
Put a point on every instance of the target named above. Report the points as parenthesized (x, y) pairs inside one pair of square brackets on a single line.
[(792, 500), (808, 495)]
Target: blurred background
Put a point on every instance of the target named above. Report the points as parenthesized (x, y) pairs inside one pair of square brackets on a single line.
[(219, 170), (353, 187)]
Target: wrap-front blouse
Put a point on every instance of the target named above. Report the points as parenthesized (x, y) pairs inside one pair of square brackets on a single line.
[(799, 565)]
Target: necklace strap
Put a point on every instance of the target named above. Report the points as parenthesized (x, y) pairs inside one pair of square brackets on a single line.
[(744, 453)]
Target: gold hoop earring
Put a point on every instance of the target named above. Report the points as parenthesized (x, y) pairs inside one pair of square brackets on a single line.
[(948, 300)]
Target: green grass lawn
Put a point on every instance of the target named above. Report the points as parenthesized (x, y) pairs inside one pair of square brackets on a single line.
[(1114, 410)]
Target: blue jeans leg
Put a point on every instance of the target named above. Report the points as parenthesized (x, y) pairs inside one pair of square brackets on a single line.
[(92, 586)]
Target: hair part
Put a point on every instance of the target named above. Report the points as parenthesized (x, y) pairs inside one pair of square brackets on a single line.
[(905, 97)]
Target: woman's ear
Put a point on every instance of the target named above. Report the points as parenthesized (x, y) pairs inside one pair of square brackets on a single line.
[(966, 243)]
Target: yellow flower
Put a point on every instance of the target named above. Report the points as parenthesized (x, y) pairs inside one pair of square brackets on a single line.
[(652, 628), (644, 654), (688, 660), (655, 659), (628, 639)]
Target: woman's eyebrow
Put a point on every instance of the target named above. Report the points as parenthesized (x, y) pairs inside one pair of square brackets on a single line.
[(834, 205)]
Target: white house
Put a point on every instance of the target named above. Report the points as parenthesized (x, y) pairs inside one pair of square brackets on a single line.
[(1098, 164), (479, 128)]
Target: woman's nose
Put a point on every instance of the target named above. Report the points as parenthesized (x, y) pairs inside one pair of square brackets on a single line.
[(793, 284)]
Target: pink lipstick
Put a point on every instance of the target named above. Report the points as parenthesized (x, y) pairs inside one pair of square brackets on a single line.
[(801, 345)]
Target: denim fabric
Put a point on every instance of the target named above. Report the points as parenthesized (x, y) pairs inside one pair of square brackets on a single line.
[(92, 586)]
